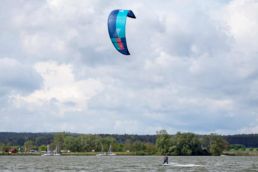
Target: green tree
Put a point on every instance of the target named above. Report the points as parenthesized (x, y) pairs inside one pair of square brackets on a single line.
[(128, 145), (107, 141), (236, 146), (28, 145), (42, 148), (173, 150), (217, 145), (1, 148), (163, 142), (5, 148), (150, 149), (186, 144), (58, 141), (72, 143), (138, 146)]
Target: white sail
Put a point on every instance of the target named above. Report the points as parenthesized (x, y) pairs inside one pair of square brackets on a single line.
[(110, 153), (49, 152)]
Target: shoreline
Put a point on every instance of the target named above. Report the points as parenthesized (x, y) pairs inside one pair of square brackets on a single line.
[(225, 154)]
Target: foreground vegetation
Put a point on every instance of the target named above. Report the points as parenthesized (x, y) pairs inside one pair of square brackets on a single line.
[(186, 144), (241, 150), (182, 144)]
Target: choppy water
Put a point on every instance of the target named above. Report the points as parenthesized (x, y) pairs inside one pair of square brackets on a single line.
[(127, 164)]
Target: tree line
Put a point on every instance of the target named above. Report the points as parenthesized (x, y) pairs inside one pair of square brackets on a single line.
[(84, 143), (11, 138), (164, 144)]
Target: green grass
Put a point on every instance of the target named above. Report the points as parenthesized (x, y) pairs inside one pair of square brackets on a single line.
[(242, 152)]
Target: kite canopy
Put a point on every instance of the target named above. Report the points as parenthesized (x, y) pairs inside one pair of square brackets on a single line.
[(116, 29)]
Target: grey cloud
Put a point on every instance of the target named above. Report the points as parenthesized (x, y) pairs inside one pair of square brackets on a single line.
[(15, 76)]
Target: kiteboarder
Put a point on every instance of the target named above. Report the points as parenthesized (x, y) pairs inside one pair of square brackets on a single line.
[(165, 160)]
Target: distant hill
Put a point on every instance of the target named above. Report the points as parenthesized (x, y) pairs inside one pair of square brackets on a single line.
[(249, 140), (10, 138)]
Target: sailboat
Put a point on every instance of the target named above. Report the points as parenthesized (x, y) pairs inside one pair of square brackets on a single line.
[(49, 152), (102, 152), (56, 151), (110, 153)]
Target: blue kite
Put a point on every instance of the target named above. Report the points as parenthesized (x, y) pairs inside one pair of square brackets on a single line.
[(116, 29)]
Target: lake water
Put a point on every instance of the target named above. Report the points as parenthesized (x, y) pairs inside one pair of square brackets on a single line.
[(127, 164)]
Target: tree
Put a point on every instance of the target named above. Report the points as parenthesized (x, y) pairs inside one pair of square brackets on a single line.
[(186, 144), (163, 142), (217, 145), (138, 146), (72, 143), (89, 143), (236, 146), (28, 145), (43, 148), (150, 148), (59, 140), (107, 141), (1, 148)]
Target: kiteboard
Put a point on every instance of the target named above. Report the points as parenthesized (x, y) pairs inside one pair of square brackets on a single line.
[(181, 165)]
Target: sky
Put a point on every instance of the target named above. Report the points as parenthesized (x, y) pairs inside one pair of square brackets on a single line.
[(193, 67)]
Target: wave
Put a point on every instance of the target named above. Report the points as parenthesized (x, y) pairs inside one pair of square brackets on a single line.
[(182, 165)]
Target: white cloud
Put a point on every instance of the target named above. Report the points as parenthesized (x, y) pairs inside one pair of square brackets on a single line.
[(17, 77), (241, 18), (61, 88)]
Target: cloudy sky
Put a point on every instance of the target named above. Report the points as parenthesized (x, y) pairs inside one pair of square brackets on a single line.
[(193, 67)]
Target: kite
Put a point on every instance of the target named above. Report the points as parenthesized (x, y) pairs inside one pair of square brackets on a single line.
[(116, 29)]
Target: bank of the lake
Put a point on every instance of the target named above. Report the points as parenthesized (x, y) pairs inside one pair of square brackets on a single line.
[(79, 154), (225, 153)]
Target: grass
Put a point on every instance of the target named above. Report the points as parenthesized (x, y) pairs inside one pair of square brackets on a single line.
[(242, 152)]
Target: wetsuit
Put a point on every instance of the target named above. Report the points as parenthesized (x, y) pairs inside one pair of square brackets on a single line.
[(165, 160)]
